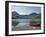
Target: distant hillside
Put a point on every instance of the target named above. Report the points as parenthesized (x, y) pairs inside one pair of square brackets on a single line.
[(34, 14), (15, 15)]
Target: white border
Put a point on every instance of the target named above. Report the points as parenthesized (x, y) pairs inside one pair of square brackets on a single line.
[(28, 31)]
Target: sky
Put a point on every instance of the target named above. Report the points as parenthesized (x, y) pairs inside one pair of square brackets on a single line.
[(25, 10)]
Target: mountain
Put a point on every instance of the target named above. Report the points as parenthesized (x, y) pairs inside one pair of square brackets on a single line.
[(14, 13), (34, 14)]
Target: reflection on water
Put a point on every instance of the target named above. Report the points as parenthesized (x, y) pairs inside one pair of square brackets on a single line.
[(25, 24), (25, 20)]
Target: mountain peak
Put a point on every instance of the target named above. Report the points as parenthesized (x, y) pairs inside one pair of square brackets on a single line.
[(14, 13), (34, 14)]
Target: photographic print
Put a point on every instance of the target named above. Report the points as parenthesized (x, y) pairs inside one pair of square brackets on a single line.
[(25, 18)]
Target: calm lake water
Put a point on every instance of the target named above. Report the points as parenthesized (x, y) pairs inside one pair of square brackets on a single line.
[(25, 20), (24, 24)]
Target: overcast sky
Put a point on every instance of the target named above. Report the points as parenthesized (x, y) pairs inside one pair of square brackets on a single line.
[(26, 10)]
